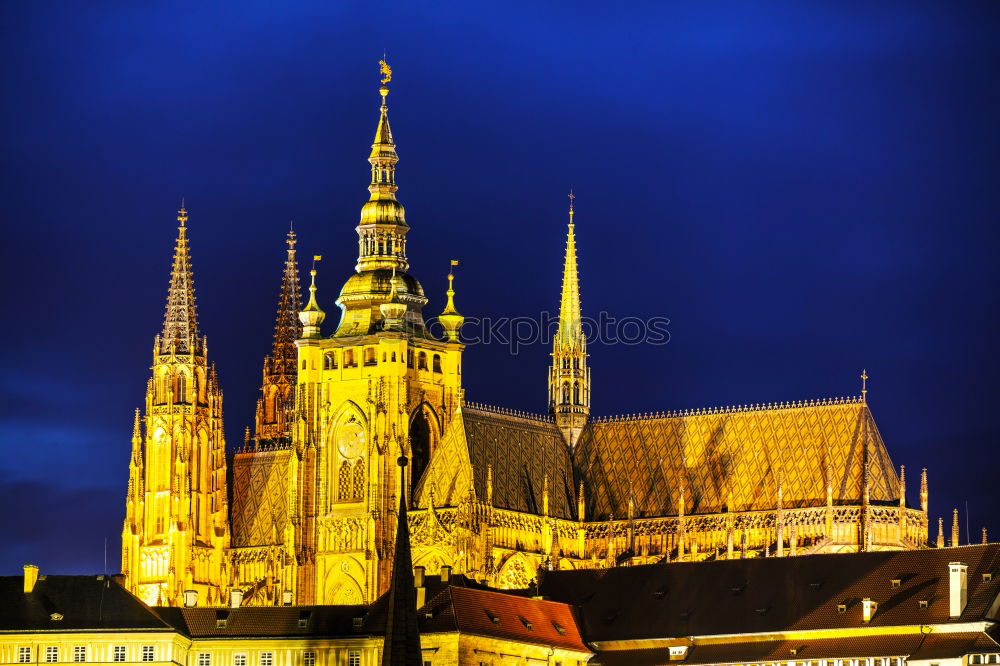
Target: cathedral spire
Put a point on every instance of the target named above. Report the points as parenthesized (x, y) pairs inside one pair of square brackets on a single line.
[(382, 246), (382, 262), (569, 304), (274, 409), (180, 323), (287, 328), (569, 376)]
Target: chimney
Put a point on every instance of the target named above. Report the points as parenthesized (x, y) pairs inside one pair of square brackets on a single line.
[(958, 588), (286, 598), (235, 598), (868, 608), (418, 582), (30, 577), (190, 598), (445, 573)]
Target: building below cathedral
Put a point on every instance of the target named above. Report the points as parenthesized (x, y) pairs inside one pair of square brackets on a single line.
[(937, 606), (305, 510)]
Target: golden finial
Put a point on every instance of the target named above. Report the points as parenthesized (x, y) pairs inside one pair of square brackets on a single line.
[(290, 239), (864, 385), (571, 197), (182, 214)]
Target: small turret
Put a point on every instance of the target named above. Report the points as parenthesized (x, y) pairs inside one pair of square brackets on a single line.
[(312, 316), (450, 318), (393, 310)]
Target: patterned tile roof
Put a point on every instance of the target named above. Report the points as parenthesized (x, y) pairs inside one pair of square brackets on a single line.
[(775, 594), (522, 451), (260, 497), (711, 453)]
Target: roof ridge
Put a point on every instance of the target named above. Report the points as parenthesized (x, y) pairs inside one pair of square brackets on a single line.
[(730, 409), (503, 411)]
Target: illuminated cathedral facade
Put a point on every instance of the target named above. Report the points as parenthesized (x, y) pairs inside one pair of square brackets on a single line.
[(305, 511)]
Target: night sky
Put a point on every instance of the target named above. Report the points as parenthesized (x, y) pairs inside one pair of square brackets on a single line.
[(803, 189)]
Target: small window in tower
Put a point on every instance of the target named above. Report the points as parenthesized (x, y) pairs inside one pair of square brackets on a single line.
[(303, 364), (409, 358), (383, 357), (576, 363), (330, 361), (393, 357), (422, 361), (349, 359), (369, 356), (437, 363)]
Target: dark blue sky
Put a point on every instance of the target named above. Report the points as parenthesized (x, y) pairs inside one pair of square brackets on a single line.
[(804, 189)]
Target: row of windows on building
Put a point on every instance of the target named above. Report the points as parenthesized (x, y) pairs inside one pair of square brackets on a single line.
[(148, 653), (51, 654), (347, 359)]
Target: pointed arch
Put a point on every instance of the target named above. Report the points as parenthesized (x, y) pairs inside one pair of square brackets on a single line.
[(425, 434)]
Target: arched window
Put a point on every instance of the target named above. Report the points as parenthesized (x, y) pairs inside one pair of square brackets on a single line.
[(409, 358), (349, 359), (303, 364), (180, 395), (437, 363), (420, 448), (330, 361), (576, 393), (576, 362), (422, 361), (565, 392), (369, 356), (393, 357)]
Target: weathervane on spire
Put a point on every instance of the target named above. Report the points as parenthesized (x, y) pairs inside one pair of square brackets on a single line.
[(385, 70), (864, 385), (571, 197)]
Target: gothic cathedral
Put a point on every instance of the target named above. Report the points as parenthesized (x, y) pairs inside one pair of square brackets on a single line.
[(498, 495)]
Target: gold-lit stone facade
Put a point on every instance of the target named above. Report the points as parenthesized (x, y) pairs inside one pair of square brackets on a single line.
[(495, 494), (176, 531)]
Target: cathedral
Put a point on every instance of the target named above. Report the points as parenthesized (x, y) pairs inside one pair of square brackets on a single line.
[(305, 511)]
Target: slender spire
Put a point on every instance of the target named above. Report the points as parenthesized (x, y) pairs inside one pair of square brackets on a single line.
[(180, 322), (287, 328), (569, 376), (402, 636), (954, 527), (569, 305)]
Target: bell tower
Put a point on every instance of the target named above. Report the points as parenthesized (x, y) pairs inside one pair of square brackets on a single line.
[(383, 385), (569, 376), (177, 519)]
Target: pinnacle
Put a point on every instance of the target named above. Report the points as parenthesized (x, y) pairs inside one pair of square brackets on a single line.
[(180, 322)]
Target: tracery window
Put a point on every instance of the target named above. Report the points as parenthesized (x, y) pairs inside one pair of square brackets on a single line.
[(358, 484), (344, 482)]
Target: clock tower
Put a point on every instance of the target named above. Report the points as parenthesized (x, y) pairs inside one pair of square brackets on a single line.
[(381, 386)]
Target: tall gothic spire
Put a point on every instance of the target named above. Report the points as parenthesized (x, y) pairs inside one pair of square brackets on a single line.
[(274, 409), (180, 323), (569, 305), (402, 636), (287, 328), (569, 376)]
